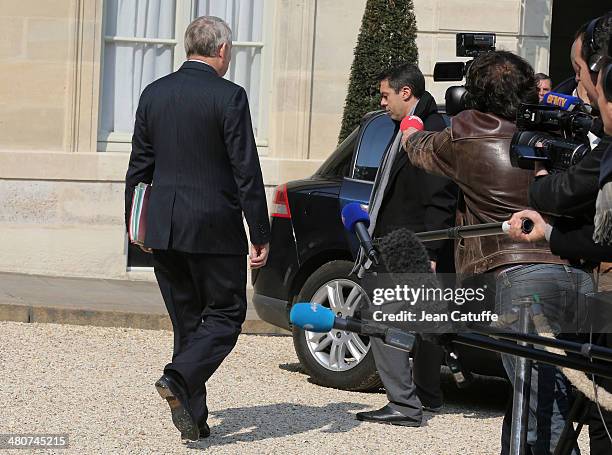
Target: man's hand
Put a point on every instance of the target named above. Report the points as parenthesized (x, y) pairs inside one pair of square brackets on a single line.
[(145, 249), (539, 226), (258, 256), (540, 169), (433, 266), (406, 134)]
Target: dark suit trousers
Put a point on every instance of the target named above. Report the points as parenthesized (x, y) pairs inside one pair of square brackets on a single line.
[(205, 296), (408, 390)]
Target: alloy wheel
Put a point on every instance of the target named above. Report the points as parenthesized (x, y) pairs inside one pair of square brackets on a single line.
[(338, 350)]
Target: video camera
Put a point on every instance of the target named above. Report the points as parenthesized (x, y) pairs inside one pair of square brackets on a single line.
[(467, 45), (566, 146)]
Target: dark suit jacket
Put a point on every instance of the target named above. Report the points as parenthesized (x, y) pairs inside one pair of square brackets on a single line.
[(566, 87), (605, 171), (417, 200), (573, 240), (573, 192), (193, 140)]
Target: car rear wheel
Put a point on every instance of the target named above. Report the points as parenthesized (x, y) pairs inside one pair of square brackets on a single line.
[(337, 358)]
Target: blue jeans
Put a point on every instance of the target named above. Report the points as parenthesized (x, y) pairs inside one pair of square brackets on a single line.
[(558, 287)]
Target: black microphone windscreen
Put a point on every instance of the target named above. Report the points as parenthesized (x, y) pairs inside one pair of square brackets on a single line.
[(403, 252), (407, 265)]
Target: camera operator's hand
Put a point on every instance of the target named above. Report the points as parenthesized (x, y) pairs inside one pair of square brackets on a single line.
[(540, 169), (537, 234)]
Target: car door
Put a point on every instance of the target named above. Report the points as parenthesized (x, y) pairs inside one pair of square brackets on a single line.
[(375, 139)]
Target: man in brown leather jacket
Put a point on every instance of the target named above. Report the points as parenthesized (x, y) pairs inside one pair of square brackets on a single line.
[(474, 152)]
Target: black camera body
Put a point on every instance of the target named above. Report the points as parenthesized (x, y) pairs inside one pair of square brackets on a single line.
[(556, 154), (467, 45), (542, 117), (535, 143)]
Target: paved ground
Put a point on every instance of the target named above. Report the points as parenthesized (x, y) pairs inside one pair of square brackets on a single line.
[(97, 302), (96, 384)]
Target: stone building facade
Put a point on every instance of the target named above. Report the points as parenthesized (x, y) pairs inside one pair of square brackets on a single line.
[(61, 172)]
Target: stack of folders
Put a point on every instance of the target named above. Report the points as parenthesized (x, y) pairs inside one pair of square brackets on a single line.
[(138, 214)]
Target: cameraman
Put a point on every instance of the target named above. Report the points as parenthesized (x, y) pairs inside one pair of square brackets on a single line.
[(574, 193), (474, 152)]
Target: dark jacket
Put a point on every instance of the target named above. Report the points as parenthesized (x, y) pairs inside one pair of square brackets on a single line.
[(475, 153), (605, 171), (566, 87), (573, 192), (418, 200), (194, 141), (573, 240)]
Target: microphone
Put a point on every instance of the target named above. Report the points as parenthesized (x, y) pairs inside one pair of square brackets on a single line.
[(405, 258), (412, 121), (317, 318), (403, 253), (562, 101), (357, 221)]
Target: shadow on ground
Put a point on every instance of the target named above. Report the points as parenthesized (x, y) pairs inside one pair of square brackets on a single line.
[(256, 423), (247, 424), (295, 367), (486, 393)]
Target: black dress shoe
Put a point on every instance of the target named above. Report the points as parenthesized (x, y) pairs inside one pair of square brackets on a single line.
[(433, 409), (176, 396), (388, 415), (204, 430)]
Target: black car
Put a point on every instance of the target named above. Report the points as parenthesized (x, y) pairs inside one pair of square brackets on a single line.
[(311, 256)]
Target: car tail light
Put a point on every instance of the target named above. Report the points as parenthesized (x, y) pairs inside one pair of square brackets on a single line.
[(280, 205)]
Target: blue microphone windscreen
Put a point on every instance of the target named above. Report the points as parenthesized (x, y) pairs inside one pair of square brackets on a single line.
[(562, 101), (312, 317), (353, 213)]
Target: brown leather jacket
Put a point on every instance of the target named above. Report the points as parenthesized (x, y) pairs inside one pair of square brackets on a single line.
[(474, 152)]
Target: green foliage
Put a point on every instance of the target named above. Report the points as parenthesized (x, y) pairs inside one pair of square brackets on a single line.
[(387, 38)]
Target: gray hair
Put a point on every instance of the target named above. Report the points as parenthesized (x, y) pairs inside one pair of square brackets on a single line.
[(205, 35)]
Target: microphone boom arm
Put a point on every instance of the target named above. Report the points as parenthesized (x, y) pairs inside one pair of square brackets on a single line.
[(477, 230)]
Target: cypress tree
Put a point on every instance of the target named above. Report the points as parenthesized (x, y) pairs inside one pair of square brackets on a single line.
[(387, 38)]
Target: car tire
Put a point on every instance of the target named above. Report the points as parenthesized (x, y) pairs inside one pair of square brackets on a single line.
[(355, 370)]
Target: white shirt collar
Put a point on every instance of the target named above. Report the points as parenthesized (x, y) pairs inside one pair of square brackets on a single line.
[(199, 61)]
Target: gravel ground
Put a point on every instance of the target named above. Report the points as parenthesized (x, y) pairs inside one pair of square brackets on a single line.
[(96, 385)]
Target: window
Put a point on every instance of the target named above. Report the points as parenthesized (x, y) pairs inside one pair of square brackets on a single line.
[(246, 19), (338, 163), (375, 141), (143, 41)]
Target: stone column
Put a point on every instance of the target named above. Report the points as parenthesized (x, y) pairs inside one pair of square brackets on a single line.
[(535, 31), (290, 114), (83, 84)]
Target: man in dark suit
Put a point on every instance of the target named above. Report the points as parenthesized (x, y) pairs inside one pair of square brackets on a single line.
[(405, 196), (193, 140)]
